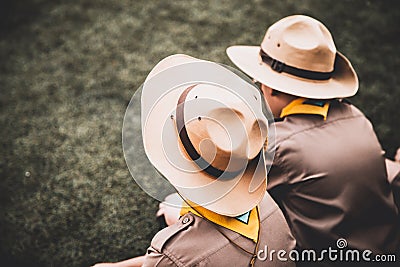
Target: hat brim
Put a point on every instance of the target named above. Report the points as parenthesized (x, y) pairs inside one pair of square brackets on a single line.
[(343, 83), (230, 197)]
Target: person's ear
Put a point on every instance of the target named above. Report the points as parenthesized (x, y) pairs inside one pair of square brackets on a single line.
[(266, 90), (274, 92)]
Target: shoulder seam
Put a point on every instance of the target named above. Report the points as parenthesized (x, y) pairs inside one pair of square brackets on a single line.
[(319, 125)]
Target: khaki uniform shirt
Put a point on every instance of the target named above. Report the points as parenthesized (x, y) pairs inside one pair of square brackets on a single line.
[(329, 178), (194, 241)]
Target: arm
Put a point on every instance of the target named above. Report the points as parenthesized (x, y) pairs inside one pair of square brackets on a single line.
[(170, 208)]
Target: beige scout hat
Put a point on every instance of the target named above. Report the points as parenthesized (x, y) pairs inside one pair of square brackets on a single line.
[(203, 129), (298, 57)]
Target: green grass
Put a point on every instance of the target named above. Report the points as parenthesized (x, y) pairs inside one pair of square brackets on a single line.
[(68, 70)]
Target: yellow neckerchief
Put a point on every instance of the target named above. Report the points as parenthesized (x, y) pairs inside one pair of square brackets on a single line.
[(249, 229), (306, 106)]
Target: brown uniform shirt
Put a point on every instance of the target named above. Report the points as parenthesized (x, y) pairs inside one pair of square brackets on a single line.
[(329, 178), (193, 241)]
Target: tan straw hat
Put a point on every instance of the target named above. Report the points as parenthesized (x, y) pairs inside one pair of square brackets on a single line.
[(298, 56), (203, 130)]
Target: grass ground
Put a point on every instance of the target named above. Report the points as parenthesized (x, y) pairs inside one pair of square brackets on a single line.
[(68, 70)]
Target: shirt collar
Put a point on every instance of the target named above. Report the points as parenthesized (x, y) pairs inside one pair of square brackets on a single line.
[(246, 224), (306, 106)]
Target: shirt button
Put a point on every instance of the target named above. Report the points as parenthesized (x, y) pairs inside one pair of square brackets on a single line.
[(185, 220)]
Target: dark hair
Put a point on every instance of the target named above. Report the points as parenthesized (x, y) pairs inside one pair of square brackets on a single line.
[(275, 92)]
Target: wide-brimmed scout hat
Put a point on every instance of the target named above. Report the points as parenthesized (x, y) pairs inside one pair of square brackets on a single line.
[(203, 129), (298, 56)]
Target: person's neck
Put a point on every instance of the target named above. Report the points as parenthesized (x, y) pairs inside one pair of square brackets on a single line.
[(283, 101)]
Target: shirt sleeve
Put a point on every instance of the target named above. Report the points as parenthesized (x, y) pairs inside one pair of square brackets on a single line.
[(277, 175)]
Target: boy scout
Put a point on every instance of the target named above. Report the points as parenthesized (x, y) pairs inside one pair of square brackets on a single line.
[(328, 174), (204, 130)]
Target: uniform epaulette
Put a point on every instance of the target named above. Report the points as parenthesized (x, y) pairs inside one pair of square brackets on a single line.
[(162, 237)]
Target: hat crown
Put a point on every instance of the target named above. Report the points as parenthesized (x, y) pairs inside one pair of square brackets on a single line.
[(225, 131), (302, 42)]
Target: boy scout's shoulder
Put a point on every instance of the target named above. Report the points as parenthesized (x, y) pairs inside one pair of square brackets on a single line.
[(163, 236), (194, 227), (174, 245)]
